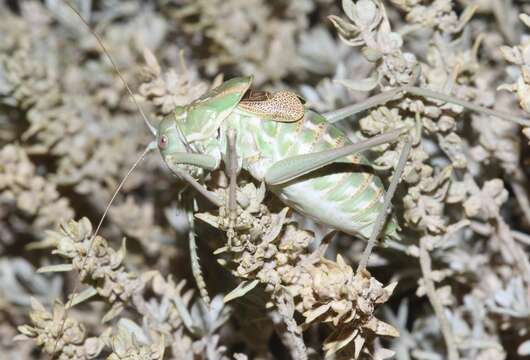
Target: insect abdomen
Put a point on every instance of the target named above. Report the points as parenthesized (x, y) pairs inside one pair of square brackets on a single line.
[(345, 195), (349, 202)]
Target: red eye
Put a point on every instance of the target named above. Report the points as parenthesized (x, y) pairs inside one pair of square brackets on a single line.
[(162, 142)]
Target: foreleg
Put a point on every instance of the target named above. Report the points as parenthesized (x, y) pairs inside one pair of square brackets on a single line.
[(199, 160), (232, 187)]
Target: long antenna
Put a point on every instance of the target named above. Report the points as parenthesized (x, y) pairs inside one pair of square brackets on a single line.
[(149, 147), (91, 243), (122, 182), (100, 42)]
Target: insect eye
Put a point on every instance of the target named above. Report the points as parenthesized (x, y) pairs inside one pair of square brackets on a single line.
[(162, 142)]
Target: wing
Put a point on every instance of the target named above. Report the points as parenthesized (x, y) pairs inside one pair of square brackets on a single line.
[(282, 106)]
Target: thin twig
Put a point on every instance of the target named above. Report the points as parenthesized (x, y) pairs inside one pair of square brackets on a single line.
[(447, 332), (521, 237), (486, 230), (286, 326), (518, 254), (519, 184)]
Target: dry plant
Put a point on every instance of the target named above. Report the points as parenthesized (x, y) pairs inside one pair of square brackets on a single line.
[(171, 277)]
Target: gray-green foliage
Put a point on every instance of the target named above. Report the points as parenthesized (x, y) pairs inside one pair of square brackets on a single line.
[(69, 133)]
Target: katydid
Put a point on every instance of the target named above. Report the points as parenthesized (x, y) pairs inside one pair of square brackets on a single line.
[(308, 162), (291, 148), (273, 132)]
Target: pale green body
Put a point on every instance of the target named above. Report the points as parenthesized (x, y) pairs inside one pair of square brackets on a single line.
[(347, 197)]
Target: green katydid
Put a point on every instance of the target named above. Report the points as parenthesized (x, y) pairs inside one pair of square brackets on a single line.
[(282, 143), (286, 145), (292, 149), (278, 142)]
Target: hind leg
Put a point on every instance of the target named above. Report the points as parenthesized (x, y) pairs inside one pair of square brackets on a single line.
[(389, 194)]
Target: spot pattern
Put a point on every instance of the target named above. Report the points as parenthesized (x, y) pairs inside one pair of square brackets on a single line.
[(282, 106)]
